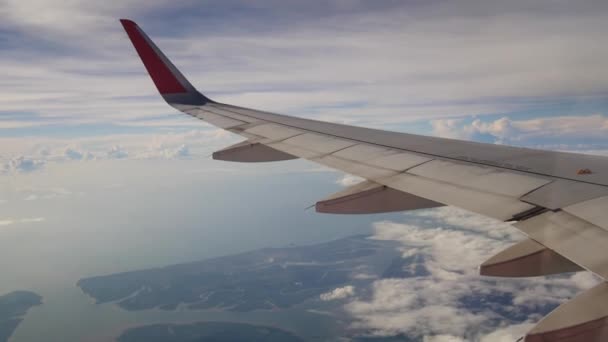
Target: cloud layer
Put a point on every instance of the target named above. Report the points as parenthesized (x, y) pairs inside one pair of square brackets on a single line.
[(22, 156), (446, 299), (348, 61), (567, 131)]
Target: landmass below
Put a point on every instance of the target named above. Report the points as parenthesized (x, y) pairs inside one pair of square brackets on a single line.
[(265, 279), (206, 331), (13, 306)]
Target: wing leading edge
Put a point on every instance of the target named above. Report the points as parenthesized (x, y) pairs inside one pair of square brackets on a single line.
[(545, 193)]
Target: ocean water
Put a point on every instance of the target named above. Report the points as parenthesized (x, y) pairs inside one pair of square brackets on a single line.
[(102, 218)]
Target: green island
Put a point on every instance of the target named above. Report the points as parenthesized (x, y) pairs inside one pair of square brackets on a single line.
[(265, 279), (13, 306), (206, 331)]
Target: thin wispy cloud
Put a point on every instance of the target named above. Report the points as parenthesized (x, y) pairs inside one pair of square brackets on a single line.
[(358, 63)]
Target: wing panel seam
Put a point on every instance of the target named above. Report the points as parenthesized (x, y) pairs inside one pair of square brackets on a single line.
[(413, 151)]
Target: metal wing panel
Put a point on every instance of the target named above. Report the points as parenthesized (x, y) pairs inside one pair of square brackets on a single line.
[(399, 161), (364, 152), (319, 143), (500, 207), (563, 193), (593, 211), (578, 240), (381, 157), (545, 163), (217, 120), (273, 131), (295, 150), (355, 168), (485, 190), (481, 178), (233, 115)]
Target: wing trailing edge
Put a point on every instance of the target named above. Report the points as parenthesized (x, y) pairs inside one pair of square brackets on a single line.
[(372, 198), (582, 319), (251, 152), (527, 258)]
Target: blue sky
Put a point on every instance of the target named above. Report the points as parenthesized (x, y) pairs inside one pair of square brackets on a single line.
[(79, 118), (430, 67)]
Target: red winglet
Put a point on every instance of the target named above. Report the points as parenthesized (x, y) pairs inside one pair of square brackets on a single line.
[(163, 78)]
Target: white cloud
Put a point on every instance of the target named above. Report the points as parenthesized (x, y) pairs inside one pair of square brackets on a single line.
[(508, 334), (117, 152), (349, 180), (338, 293), (32, 220), (550, 130), (442, 338), (23, 164), (171, 145), (182, 151), (363, 276), (439, 304), (72, 153), (36, 193)]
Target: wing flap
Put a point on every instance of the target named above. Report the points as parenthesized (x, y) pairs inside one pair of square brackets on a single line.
[(593, 211), (500, 207), (371, 198), (251, 152), (562, 193), (582, 319), (527, 258), (578, 240)]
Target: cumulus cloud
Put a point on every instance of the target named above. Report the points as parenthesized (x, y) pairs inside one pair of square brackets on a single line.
[(508, 334), (23, 164), (35, 193), (71, 153), (182, 151), (442, 338), (563, 130), (167, 152), (33, 154), (338, 293), (450, 301), (117, 152), (349, 180)]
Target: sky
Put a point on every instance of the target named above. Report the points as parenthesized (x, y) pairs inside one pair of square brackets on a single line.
[(79, 116)]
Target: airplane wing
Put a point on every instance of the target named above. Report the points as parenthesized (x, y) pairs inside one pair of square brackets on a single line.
[(558, 199)]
